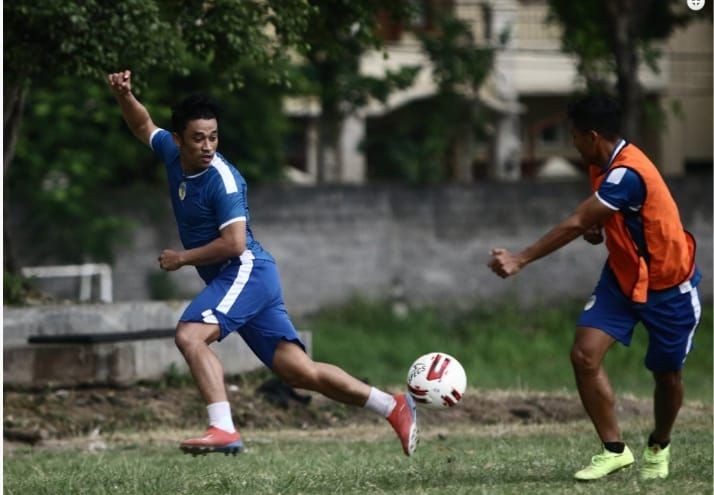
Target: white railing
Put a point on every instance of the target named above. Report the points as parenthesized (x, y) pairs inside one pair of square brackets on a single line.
[(84, 271)]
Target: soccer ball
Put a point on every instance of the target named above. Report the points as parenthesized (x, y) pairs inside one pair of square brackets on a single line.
[(436, 380)]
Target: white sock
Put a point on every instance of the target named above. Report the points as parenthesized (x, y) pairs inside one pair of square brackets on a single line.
[(219, 415), (380, 402)]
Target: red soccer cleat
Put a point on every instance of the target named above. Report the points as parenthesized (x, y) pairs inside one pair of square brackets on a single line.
[(214, 440), (404, 421)]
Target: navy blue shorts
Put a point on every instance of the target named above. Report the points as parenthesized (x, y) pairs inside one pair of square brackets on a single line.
[(670, 321), (247, 298)]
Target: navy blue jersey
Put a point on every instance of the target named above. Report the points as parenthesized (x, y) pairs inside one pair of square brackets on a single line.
[(206, 202)]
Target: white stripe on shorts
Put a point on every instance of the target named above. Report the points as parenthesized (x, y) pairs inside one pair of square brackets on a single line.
[(697, 307), (209, 317), (246, 267)]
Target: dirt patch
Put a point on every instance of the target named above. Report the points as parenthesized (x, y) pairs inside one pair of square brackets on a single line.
[(258, 401)]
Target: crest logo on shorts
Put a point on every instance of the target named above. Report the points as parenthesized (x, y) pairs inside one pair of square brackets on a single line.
[(182, 191), (591, 302)]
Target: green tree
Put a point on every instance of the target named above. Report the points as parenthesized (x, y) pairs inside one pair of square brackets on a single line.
[(339, 33), (460, 67), (47, 40), (430, 150), (615, 36)]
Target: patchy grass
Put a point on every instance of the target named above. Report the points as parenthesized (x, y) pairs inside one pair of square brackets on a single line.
[(481, 446), (452, 458)]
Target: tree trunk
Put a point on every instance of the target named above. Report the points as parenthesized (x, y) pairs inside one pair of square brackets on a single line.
[(626, 17), (462, 146), (328, 154), (15, 97)]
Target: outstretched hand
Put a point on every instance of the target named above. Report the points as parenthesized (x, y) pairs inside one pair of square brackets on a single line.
[(504, 263), (120, 82)]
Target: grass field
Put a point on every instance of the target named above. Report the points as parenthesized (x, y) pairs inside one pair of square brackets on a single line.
[(500, 349), (536, 459)]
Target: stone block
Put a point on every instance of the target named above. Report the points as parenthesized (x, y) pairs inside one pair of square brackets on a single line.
[(115, 363)]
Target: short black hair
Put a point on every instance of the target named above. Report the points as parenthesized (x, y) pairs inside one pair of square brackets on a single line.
[(596, 112), (193, 107)]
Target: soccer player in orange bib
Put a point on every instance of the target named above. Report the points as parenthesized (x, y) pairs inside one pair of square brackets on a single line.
[(649, 277)]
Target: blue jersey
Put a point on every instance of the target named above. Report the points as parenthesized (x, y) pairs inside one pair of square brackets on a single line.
[(206, 202)]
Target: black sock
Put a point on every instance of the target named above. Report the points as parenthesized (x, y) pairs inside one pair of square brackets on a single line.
[(651, 441), (616, 447)]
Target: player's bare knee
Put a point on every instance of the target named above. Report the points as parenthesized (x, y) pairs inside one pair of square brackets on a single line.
[(671, 379), (184, 339), (583, 361)]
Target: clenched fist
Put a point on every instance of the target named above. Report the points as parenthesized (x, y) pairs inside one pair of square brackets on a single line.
[(120, 82), (170, 260), (504, 263), (594, 234)]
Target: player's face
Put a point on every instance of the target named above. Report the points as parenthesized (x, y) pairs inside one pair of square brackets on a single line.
[(198, 143), (586, 144)]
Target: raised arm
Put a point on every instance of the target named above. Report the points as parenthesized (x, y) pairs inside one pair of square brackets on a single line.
[(591, 212), (134, 113)]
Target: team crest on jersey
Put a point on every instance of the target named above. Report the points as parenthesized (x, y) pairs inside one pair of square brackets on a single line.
[(182, 191)]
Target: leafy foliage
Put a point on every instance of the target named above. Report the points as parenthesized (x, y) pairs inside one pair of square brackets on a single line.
[(613, 38), (406, 146), (74, 142), (63, 161), (94, 37), (588, 32), (45, 38), (338, 33), (459, 63)]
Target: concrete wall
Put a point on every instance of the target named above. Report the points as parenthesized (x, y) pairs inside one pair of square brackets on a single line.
[(429, 244), (117, 363), (433, 243)]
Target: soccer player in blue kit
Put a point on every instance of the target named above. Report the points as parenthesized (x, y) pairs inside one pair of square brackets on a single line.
[(650, 276), (242, 292)]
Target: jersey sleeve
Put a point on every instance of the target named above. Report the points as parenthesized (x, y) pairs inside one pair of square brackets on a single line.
[(622, 189), (229, 204), (163, 145)]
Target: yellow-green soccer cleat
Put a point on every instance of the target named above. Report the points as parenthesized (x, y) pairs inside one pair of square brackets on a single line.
[(604, 464), (655, 463)]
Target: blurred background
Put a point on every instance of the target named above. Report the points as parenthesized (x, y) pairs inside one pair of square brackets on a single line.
[(388, 145)]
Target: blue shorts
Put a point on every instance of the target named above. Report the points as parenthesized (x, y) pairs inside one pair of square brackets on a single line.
[(246, 298), (670, 321)]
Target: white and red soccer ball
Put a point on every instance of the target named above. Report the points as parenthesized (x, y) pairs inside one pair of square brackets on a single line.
[(436, 380)]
